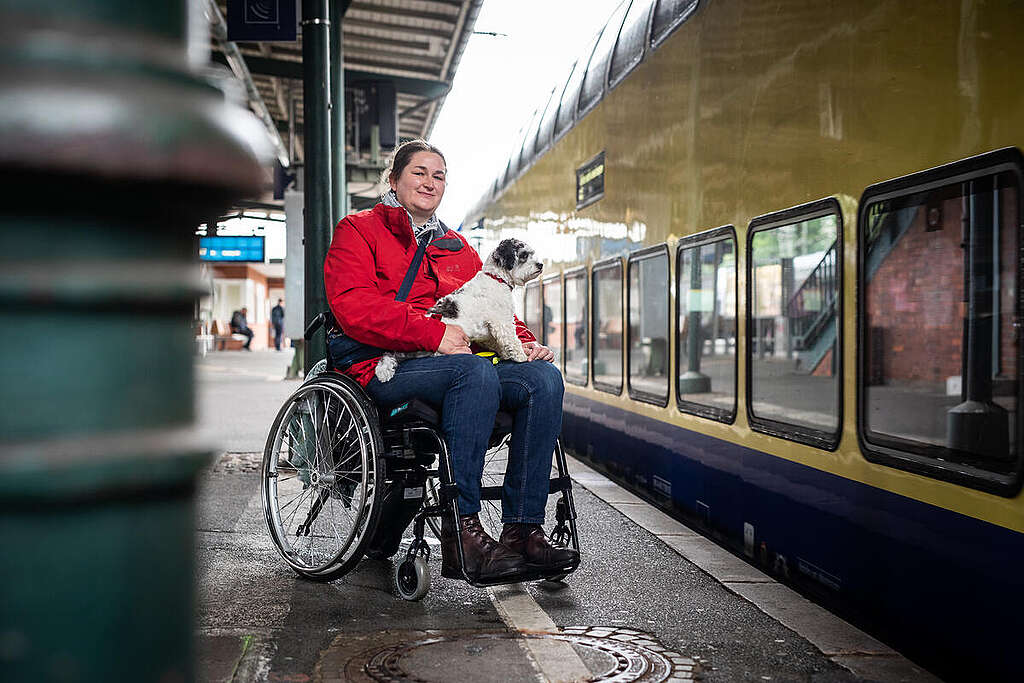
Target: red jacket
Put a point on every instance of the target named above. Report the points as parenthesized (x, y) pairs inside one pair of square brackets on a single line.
[(369, 256)]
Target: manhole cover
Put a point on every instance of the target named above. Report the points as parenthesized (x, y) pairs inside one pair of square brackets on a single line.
[(611, 655)]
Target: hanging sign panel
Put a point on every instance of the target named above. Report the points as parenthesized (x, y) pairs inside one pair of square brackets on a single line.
[(590, 181), (261, 20)]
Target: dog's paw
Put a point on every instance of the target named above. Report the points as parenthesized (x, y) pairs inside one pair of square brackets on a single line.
[(518, 355), (386, 368)]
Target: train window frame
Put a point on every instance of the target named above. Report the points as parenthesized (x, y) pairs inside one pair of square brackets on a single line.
[(678, 20), (543, 337), (563, 126), (633, 60), (608, 264), (520, 161), (633, 258), (603, 50), (708, 237), (580, 273), (530, 286), (899, 454), (818, 438), (537, 147), (546, 135)]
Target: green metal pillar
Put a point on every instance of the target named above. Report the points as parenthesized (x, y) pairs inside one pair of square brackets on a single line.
[(317, 182), (693, 381), (339, 185), (112, 151)]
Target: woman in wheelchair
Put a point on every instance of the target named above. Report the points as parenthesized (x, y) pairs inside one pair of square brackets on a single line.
[(378, 295)]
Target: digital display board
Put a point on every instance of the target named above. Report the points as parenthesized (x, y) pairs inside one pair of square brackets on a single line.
[(590, 181), (231, 249)]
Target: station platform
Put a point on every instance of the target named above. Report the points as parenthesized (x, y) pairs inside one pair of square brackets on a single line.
[(651, 601)]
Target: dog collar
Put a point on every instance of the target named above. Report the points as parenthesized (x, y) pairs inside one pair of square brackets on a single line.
[(495, 277)]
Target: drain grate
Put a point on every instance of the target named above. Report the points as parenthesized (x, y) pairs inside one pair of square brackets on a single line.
[(613, 655)]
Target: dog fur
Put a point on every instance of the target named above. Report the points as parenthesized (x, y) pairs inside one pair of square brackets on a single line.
[(483, 307)]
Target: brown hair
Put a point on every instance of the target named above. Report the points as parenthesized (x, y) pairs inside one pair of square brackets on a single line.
[(403, 155)]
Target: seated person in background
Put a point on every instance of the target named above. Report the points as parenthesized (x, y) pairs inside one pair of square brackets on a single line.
[(365, 266), (239, 325)]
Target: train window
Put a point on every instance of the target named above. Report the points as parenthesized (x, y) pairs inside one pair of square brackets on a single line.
[(668, 16), (571, 94), (552, 337), (532, 312), (594, 81), (576, 326), (547, 122), (629, 50), (606, 326), (523, 154), (938, 372), (648, 286), (793, 333), (706, 324), (536, 143)]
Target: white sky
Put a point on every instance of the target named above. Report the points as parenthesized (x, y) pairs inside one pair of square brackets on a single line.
[(500, 81)]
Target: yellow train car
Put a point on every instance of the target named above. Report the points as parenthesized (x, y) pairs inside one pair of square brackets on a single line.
[(785, 246)]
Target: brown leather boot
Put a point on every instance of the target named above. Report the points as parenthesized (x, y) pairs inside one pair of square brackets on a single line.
[(529, 541), (486, 559)]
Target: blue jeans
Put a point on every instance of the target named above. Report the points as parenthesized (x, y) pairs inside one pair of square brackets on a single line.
[(468, 390)]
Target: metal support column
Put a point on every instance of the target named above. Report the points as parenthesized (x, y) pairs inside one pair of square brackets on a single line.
[(103, 109), (317, 218), (978, 425), (693, 381), (339, 183)]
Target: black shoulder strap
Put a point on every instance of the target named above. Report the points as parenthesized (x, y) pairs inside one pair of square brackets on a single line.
[(414, 267)]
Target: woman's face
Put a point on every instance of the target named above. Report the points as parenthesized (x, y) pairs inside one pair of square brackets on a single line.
[(421, 185)]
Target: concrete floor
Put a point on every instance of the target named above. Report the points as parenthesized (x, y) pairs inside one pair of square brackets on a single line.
[(647, 584)]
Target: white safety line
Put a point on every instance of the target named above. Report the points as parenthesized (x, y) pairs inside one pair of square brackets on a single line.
[(838, 640), (555, 660)]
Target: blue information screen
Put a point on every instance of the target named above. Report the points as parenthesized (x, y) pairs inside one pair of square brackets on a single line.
[(231, 249)]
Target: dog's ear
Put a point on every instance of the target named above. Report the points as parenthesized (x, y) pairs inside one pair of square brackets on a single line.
[(504, 254)]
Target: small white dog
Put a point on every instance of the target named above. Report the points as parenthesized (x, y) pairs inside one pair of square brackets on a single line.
[(482, 307)]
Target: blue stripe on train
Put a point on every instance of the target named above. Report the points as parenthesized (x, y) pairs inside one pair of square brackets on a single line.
[(944, 588)]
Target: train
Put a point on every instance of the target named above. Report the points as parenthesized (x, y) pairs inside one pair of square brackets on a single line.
[(783, 282)]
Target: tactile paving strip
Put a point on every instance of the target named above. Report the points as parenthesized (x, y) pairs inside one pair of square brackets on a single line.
[(619, 655)]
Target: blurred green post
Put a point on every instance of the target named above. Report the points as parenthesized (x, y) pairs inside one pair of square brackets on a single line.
[(113, 147)]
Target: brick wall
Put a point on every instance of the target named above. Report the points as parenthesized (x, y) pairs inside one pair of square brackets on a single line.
[(915, 297)]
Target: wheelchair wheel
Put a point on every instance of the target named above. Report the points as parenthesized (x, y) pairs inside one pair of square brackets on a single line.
[(322, 467), (412, 578)]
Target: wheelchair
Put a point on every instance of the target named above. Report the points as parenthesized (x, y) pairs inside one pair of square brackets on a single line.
[(342, 478)]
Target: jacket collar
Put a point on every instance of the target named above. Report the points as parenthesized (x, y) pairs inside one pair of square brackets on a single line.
[(397, 220)]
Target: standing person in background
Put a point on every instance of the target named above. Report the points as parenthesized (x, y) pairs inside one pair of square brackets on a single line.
[(277, 320), (239, 325)]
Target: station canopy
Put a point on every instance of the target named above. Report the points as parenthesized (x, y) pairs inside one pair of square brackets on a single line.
[(414, 44)]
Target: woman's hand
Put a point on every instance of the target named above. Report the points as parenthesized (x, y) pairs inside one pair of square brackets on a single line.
[(453, 341), (537, 351)]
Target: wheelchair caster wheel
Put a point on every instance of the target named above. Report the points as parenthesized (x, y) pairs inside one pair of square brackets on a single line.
[(412, 578)]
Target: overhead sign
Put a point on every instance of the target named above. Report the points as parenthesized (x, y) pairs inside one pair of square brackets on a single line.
[(261, 20), (590, 181), (248, 249)]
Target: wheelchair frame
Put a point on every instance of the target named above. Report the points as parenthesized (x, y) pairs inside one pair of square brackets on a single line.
[(396, 451)]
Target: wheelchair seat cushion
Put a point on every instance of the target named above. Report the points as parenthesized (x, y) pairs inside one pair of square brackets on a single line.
[(415, 410)]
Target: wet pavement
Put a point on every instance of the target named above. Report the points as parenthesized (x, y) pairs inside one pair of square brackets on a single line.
[(637, 609)]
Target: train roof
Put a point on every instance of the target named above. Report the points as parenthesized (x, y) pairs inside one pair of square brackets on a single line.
[(634, 29)]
